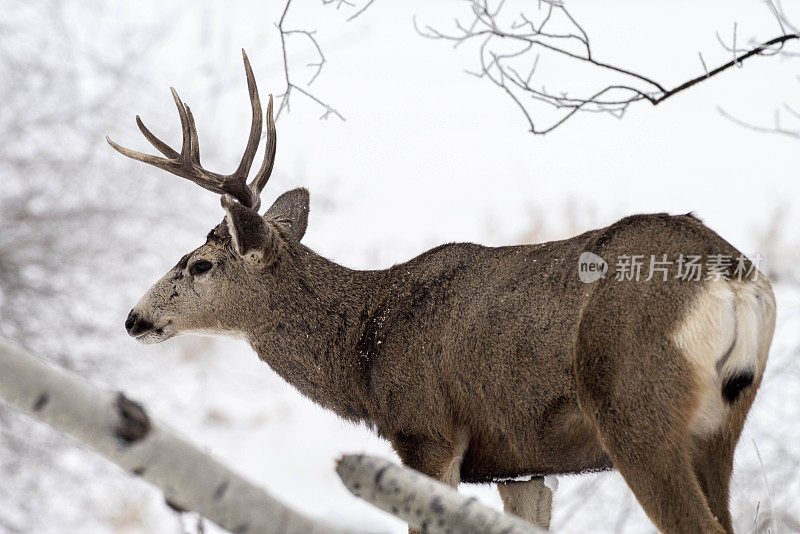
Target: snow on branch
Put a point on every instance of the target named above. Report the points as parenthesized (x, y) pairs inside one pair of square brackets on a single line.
[(122, 431), (510, 46), (423, 502)]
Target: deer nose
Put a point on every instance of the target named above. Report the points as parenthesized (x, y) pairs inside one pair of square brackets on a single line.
[(130, 321), (135, 325)]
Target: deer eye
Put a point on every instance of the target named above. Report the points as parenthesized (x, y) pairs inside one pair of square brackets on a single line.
[(200, 267)]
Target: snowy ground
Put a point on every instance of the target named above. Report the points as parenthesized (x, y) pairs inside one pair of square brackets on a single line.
[(430, 155)]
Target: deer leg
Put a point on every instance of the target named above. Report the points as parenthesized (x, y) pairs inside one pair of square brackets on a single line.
[(642, 433), (640, 398), (532, 500), (655, 462), (437, 458), (713, 459), (713, 462), (665, 485)]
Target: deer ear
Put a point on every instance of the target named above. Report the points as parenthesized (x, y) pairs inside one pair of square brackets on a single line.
[(252, 237), (290, 210)]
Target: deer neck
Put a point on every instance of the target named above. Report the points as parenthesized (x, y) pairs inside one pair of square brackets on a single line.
[(309, 332)]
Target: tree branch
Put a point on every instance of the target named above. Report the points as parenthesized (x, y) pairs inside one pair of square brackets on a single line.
[(122, 431), (778, 127), (360, 11), (502, 69), (758, 50), (291, 86), (423, 502)]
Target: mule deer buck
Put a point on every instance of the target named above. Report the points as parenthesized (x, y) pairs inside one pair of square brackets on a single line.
[(480, 363)]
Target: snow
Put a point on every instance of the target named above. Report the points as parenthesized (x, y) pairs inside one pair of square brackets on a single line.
[(429, 155)]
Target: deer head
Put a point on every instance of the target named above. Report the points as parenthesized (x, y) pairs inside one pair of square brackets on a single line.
[(211, 289)]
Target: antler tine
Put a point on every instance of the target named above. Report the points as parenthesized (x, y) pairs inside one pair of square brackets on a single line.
[(156, 161), (262, 176), (194, 155), (160, 145), (187, 122), (186, 148), (255, 127)]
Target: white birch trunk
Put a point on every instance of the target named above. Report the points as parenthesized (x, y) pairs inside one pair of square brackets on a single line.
[(121, 431), (426, 504)]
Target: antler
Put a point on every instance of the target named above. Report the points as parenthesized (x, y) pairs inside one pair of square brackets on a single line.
[(186, 164)]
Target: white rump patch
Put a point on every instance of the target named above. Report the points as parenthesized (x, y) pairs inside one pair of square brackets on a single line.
[(726, 332)]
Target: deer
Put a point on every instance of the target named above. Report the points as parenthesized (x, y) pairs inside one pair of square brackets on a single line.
[(485, 364)]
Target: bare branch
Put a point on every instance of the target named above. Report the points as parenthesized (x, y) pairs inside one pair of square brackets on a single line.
[(318, 64), (777, 128), (523, 36), (360, 11), (705, 67), (291, 86)]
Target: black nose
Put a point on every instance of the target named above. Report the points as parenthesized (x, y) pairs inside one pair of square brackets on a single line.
[(130, 321), (135, 325)]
